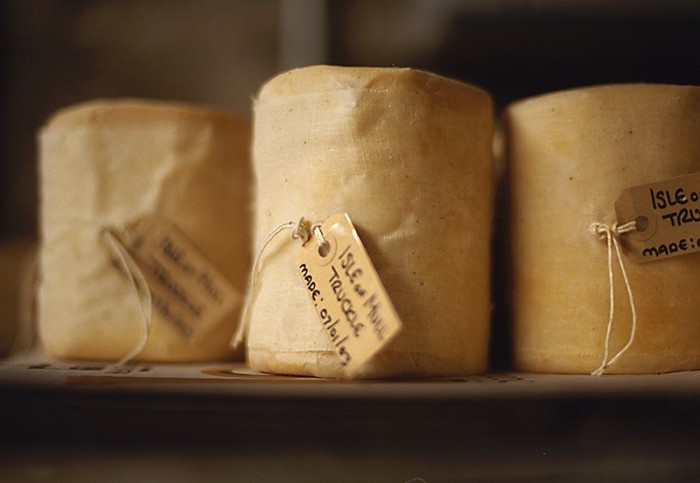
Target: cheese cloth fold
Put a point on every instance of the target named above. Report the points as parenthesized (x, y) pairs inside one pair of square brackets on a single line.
[(407, 155), (109, 164)]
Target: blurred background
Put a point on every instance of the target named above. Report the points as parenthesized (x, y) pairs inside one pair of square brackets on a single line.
[(218, 52)]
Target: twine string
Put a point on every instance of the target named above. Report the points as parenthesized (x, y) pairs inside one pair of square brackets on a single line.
[(611, 234), (138, 282), (301, 230)]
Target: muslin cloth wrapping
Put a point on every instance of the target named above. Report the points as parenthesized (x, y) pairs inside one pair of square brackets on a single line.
[(407, 154), (571, 155), (109, 164)]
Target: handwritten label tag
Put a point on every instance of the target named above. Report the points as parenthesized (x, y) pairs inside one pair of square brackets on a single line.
[(667, 215), (346, 292), (186, 289)]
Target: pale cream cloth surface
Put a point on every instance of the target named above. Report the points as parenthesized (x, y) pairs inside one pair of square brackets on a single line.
[(407, 155), (109, 164), (571, 155)]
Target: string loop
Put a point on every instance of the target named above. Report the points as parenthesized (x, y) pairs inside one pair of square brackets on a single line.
[(611, 235), (131, 270), (301, 230)]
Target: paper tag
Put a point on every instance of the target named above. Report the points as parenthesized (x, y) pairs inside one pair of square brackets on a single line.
[(667, 215), (346, 292), (186, 289)]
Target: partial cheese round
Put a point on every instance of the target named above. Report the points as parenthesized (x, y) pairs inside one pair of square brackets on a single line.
[(16, 263), (109, 164), (407, 154), (571, 155)]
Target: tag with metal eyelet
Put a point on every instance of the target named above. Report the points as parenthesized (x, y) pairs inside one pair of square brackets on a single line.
[(187, 291), (347, 294), (666, 215)]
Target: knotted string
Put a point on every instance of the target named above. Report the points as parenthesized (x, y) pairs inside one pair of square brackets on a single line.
[(138, 282), (301, 230), (612, 234)]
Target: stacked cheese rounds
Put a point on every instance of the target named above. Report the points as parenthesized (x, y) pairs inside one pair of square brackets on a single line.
[(407, 155), (571, 155), (111, 164)]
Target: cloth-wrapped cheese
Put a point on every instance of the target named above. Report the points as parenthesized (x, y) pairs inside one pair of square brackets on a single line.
[(110, 164), (16, 265), (571, 155), (407, 154)]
